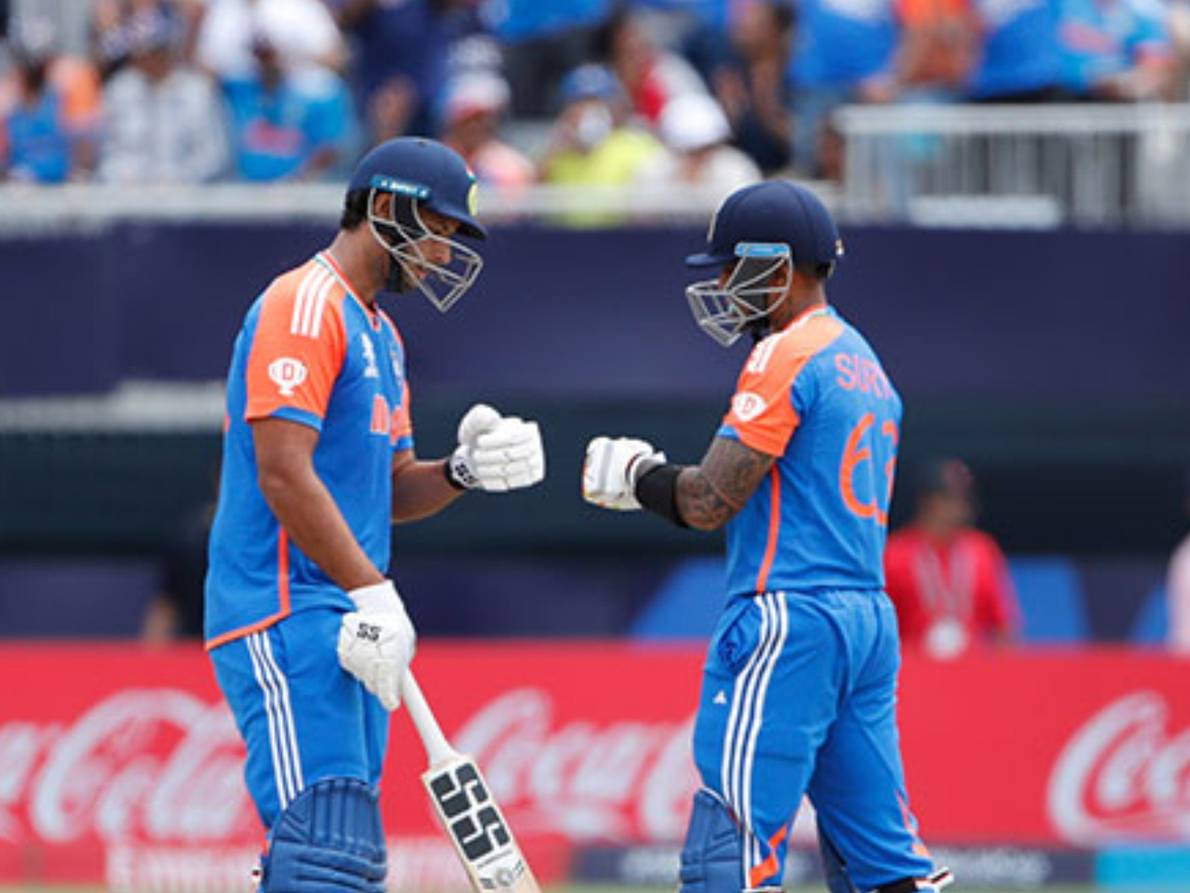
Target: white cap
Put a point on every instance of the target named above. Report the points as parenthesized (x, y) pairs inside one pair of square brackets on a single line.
[(693, 121), (475, 91)]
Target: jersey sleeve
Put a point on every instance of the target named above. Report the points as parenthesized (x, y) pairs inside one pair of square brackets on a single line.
[(297, 353), (771, 393)]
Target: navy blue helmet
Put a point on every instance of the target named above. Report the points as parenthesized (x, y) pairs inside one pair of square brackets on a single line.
[(422, 173), (772, 212), (760, 229)]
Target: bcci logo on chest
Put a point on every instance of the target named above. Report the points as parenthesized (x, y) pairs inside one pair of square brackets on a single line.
[(287, 373), (371, 370)]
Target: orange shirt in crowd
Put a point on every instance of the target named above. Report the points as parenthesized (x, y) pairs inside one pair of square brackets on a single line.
[(939, 44)]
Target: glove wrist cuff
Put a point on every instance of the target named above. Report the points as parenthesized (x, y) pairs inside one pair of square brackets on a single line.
[(379, 598), (642, 465), (458, 470)]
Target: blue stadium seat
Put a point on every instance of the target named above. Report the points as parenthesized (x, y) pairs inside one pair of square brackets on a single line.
[(687, 603), (1152, 624), (1051, 600)]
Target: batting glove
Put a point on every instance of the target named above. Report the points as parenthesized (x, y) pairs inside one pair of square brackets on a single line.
[(377, 641), (496, 453), (612, 468)]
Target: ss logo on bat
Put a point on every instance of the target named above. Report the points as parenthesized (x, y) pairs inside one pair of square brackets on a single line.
[(470, 815)]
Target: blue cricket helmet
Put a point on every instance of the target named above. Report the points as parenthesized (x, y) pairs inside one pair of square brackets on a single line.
[(426, 170), (772, 212)]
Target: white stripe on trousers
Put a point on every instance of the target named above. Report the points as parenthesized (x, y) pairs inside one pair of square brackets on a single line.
[(744, 720), (287, 769)]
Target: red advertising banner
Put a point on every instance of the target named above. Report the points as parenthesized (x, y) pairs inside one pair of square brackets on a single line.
[(122, 766)]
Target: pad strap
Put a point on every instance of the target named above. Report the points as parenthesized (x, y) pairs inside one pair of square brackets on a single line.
[(657, 490)]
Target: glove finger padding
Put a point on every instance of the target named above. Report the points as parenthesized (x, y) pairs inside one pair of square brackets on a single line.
[(388, 686), (607, 479), (505, 455), (479, 419), (376, 649), (508, 458), (509, 432)]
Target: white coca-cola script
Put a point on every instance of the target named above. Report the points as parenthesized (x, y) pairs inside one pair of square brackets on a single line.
[(153, 764), (1125, 775), (163, 766), (621, 781)]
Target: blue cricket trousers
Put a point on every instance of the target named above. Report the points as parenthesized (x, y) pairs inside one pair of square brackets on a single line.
[(799, 697), (302, 717)]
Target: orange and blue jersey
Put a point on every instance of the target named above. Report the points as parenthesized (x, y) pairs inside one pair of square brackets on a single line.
[(311, 352), (799, 685), (815, 396)]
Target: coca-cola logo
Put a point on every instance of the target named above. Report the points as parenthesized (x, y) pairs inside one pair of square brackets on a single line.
[(154, 764), (1124, 775), (624, 781)]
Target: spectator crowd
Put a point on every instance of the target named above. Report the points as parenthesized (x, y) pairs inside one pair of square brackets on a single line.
[(658, 92)]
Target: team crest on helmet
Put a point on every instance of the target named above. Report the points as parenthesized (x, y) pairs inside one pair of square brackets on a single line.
[(473, 198)]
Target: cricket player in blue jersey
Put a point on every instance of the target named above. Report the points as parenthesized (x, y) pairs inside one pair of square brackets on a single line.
[(308, 636), (799, 686)]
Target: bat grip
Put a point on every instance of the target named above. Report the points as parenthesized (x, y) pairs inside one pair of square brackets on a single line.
[(435, 743)]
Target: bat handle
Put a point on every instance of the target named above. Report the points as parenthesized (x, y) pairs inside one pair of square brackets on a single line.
[(437, 747)]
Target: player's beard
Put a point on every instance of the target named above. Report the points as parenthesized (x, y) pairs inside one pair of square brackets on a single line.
[(397, 280)]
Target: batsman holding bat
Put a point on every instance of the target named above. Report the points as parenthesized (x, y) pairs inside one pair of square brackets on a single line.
[(309, 639), (799, 686)]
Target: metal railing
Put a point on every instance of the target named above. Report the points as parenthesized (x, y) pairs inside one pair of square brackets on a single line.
[(27, 210), (1086, 165), (1043, 165)]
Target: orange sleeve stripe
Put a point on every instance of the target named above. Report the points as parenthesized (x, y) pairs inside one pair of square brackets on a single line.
[(907, 820), (762, 412), (770, 431), (299, 345), (770, 549), (282, 594), (758, 874)]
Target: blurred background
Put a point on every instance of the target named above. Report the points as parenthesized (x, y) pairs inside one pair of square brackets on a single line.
[(1013, 184)]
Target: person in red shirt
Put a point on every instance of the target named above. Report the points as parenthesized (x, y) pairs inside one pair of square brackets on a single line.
[(948, 581)]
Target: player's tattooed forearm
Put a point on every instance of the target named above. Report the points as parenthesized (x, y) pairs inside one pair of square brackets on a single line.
[(698, 503), (710, 494)]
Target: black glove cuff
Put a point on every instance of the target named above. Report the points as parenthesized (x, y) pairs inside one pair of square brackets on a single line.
[(657, 490)]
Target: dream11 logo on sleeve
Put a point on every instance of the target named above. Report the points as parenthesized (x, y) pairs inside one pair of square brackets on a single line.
[(1123, 776), (287, 374)]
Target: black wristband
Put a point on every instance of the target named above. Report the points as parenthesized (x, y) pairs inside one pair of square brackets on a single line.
[(657, 491), (448, 470)]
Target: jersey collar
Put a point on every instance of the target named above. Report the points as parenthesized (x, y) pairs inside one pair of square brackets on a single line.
[(327, 261)]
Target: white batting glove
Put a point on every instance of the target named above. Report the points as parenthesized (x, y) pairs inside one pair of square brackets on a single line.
[(496, 453), (612, 468), (377, 641)]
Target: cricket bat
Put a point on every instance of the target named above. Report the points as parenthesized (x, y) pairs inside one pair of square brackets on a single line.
[(471, 818)]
